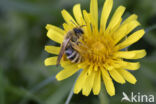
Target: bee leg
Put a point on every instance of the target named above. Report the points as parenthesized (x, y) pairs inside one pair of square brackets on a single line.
[(78, 43), (75, 46)]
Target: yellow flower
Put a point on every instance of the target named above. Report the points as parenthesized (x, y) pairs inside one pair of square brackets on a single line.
[(101, 48)]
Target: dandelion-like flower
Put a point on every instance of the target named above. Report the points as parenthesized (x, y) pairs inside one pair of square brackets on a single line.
[(101, 48)]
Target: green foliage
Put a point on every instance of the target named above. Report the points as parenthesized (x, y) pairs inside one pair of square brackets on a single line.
[(22, 41), (2, 87)]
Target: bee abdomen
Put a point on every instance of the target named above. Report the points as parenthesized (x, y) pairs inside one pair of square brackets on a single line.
[(75, 60), (73, 55)]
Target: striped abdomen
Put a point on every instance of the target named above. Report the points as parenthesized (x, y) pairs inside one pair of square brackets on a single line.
[(73, 55)]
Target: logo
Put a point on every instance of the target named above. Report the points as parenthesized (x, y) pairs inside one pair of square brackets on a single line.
[(137, 97)]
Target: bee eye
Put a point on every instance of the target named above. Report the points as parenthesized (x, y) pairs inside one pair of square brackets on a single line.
[(78, 31)]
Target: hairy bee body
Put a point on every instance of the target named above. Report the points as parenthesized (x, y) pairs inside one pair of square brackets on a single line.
[(67, 48), (73, 55)]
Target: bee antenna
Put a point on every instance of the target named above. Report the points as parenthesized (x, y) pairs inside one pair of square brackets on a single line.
[(82, 25), (74, 23)]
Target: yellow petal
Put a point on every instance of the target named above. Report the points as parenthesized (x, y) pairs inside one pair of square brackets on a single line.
[(116, 76), (48, 27), (95, 68), (90, 68), (131, 39), (108, 83), (116, 18), (88, 85), (131, 54), (130, 65), (107, 7), (108, 67), (116, 27), (80, 81), (94, 13), (50, 61), (55, 36), (68, 18), (68, 65), (78, 15), (97, 83), (124, 30), (67, 27), (83, 65), (104, 72), (65, 73), (88, 21), (130, 18), (52, 49), (127, 75)]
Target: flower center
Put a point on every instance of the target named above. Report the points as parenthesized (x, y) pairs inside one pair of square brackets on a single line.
[(97, 50), (99, 46)]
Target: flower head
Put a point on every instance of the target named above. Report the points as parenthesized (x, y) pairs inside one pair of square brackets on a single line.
[(101, 48)]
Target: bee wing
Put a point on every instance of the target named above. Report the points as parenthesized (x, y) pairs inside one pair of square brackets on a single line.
[(64, 44)]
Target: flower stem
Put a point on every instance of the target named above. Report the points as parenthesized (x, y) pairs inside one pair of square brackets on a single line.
[(71, 91), (103, 96), (70, 95), (42, 84)]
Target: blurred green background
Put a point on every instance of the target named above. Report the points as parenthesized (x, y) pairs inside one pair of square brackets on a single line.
[(23, 77)]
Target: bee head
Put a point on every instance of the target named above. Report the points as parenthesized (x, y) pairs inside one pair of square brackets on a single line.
[(78, 31)]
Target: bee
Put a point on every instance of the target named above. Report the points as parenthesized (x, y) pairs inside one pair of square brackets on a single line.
[(67, 47)]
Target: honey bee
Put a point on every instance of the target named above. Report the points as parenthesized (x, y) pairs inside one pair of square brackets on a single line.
[(71, 38)]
